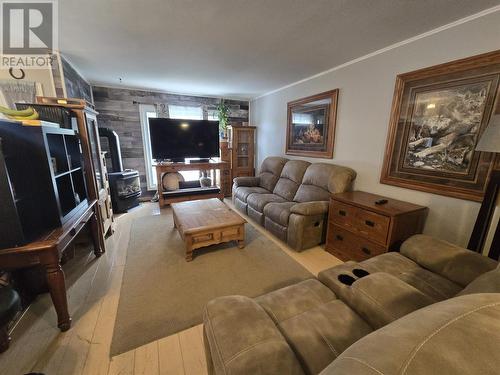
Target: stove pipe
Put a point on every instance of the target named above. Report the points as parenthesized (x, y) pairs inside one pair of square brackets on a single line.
[(114, 148)]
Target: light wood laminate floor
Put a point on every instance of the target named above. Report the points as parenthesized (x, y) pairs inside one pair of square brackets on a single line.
[(93, 293)]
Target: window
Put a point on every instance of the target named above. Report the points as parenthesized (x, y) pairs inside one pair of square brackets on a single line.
[(185, 112), (213, 115)]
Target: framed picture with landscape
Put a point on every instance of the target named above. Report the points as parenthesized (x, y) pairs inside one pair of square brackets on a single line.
[(437, 117), (311, 125)]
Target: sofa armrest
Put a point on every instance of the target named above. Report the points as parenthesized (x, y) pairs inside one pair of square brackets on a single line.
[(240, 338), (341, 180), (450, 261), (310, 208), (246, 181)]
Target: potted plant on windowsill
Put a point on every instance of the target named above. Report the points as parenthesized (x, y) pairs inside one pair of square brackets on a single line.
[(223, 113)]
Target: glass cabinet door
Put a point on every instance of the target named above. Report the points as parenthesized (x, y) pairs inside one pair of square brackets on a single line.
[(243, 148), (94, 150)]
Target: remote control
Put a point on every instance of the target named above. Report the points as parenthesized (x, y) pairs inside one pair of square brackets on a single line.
[(381, 201)]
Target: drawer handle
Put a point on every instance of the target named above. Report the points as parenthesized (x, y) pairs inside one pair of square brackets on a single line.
[(342, 213), (339, 237), (366, 250), (316, 224), (369, 223)]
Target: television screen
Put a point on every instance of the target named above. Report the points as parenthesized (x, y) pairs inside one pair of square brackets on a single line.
[(178, 139)]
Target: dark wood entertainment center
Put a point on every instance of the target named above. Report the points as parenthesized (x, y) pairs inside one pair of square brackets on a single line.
[(47, 252), (46, 202), (215, 191)]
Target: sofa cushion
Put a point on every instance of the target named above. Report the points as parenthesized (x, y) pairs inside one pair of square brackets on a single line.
[(242, 192), (259, 201), (270, 171), (242, 338), (322, 179), (278, 212), (290, 178), (316, 325), (429, 283), (308, 193), (450, 261), (295, 299), (320, 335)]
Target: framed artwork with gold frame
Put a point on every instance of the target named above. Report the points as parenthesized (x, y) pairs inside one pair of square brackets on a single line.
[(438, 115), (311, 125)]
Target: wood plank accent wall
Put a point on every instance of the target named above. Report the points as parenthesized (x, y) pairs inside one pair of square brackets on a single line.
[(119, 110)]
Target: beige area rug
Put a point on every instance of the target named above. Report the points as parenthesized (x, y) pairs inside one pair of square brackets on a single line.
[(162, 294)]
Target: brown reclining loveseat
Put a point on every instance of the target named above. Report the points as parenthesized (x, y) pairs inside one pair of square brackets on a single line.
[(434, 308)]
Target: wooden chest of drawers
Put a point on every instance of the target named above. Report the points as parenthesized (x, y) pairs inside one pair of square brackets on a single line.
[(358, 228)]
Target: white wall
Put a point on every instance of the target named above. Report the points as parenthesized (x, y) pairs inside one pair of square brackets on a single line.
[(43, 76), (366, 90)]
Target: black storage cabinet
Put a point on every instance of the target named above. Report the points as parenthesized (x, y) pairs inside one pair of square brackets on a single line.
[(41, 180)]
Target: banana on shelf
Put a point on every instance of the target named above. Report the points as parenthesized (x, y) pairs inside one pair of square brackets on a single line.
[(28, 116), (20, 115)]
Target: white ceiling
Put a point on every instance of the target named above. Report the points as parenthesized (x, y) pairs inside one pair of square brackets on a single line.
[(236, 48)]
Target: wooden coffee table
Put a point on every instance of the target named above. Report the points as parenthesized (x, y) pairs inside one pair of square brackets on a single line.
[(207, 222)]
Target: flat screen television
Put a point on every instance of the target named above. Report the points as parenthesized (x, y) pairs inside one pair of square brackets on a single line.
[(177, 139)]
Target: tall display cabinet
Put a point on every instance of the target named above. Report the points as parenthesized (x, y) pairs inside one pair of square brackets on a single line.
[(241, 153), (88, 118), (242, 145), (51, 159), (97, 178), (47, 199)]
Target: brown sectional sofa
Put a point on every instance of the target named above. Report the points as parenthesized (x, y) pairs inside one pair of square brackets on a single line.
[(433, 308), (290, 198)]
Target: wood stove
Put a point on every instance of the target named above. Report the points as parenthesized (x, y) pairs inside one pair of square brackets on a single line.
[(125, 185), (125, 189)]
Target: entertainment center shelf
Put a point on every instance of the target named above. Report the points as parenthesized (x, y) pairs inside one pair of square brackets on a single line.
[(181, 195)]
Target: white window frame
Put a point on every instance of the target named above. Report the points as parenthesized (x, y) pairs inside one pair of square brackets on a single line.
[(185, 110), (144, 109)]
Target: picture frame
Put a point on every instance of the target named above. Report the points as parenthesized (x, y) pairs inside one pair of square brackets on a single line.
[(311, 123), (438, 115)]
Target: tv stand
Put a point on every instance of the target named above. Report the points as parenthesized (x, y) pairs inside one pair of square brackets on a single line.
[(198, 161), (215, 191)]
